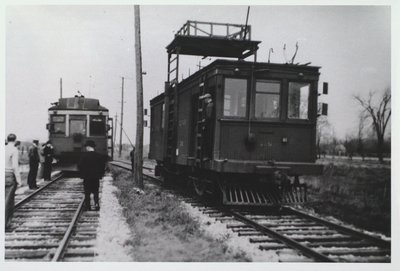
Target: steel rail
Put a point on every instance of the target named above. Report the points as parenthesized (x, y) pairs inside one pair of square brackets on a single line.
[(59, 254), (37, 191), (288, 241), (340, 228), (125, 162)]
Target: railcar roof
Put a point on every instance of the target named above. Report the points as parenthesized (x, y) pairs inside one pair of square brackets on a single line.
[(258, 66), (78, 103)]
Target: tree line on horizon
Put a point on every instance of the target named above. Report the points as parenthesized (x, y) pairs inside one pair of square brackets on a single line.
[(370, 138)]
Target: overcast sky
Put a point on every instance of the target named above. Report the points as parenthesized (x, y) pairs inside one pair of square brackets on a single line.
[(91, 47)]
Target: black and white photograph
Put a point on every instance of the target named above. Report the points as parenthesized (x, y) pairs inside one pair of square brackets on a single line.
[(189, 132)]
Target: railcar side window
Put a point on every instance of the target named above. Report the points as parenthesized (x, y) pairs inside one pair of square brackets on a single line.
[(267, 99), (97, 126), (298, 100), (57, 125), (235, 97)]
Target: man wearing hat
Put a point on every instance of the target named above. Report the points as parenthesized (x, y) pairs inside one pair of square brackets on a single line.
[(91, 168), (33, 164), (48, 160)]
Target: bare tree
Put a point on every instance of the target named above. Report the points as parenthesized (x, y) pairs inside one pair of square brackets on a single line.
[(380, 114), (360, 134)]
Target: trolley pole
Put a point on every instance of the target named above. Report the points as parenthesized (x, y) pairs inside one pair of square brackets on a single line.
[(122, 118), (138, 176), (61, 87)]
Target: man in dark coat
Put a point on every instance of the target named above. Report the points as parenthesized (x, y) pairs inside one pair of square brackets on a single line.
[(48, 160), (33, 164), (91, 168)]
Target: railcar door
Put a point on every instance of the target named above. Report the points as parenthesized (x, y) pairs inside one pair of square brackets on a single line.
[(77, 130), (193, 127)]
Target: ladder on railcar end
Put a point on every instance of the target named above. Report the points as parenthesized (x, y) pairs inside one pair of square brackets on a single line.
[(171, 106), (200, 124), (110, 138)]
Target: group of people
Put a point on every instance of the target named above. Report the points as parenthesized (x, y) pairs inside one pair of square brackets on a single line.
[(91, 168), (44, 156), (12, 172)]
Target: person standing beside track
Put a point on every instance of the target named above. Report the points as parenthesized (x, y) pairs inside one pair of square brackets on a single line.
[(91, 168), (12, 177), (48, 160), (132, 154), (41, 160), (33, 164)]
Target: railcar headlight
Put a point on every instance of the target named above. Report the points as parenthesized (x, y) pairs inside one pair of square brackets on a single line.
[(284, 140)]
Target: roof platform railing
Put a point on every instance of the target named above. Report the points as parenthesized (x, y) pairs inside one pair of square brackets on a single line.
[(208, 39), (210, 29)]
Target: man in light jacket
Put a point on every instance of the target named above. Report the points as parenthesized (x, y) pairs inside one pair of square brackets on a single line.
[(12, 177)]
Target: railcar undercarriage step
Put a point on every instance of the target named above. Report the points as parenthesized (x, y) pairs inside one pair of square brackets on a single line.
[(234, 194)]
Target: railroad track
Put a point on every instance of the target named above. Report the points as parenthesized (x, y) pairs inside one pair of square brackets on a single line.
[(286, 228), (127, 165), (50, 225)]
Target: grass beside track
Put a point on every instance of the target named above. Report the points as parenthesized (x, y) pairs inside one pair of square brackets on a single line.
[(357, 195), (162, 230)]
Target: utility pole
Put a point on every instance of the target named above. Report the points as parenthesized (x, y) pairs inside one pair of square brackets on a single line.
[(122, 118), (60, 87), (115, 128), (138, 175)]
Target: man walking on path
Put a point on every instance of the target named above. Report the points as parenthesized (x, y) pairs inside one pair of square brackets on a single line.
[(33, 164), (48, 160), (91, 168), (12, 177)]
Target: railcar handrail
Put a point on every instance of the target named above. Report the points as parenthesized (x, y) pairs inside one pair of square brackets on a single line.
[(231, 31)]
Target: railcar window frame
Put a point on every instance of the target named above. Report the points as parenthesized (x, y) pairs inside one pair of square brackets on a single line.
[(59, 123), (268, 93), (74, 117), (246, 108), (104, 132), (310, 85)]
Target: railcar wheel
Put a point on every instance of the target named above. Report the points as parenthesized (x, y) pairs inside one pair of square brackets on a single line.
[(199, 186)]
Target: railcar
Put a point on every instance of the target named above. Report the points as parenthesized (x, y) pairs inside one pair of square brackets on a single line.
[(244, 130), (73, 121)]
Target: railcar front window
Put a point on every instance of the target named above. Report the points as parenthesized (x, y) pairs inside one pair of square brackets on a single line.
[(58, 125), (235, 97), (97, 126), (298, 100), (77, 126), (267, 99)]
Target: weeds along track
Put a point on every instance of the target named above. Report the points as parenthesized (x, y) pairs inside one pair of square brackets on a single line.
[(286, 228), (50, 225)]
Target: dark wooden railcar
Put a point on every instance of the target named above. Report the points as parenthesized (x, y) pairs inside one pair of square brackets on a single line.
[(235, 124), (73, 121)]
